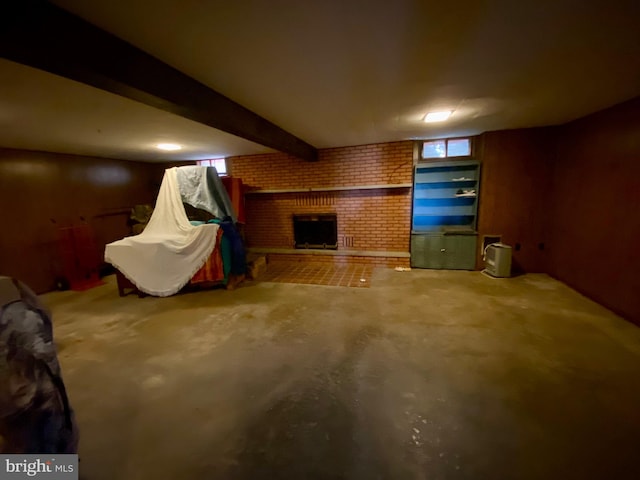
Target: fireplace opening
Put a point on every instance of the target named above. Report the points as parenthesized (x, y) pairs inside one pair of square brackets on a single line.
[(316, 231)]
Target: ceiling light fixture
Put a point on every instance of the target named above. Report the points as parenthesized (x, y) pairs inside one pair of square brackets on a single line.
[(168, 146), (437, 116)]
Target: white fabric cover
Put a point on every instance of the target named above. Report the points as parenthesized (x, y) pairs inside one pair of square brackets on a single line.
[(202, 188), (164, 257), (194, 190)]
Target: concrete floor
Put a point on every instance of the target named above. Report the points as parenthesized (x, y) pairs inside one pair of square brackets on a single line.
[(425, 375)]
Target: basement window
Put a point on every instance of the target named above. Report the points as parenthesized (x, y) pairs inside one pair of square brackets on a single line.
[(446, 148), (219, 163)]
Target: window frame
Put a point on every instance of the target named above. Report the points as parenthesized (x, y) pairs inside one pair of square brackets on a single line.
[(208, 163), (446, 149)]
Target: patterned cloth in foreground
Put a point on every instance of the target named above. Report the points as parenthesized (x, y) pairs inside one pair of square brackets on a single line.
[(35, 416)]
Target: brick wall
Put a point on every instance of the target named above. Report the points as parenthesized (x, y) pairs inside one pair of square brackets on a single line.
[(368, 220)]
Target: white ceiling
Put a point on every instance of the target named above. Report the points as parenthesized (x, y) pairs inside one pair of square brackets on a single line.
[(41, 111), (340, 72)]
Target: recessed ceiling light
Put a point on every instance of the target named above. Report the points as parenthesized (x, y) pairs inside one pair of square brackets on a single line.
[(437, 116), (168, 146)]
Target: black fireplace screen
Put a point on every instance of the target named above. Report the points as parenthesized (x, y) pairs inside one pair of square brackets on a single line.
[(315, 231)]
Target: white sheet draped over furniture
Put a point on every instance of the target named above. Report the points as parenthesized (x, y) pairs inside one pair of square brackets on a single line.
[(164, 257), (202, 188)]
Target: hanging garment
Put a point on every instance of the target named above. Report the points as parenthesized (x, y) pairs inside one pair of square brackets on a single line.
[(164, 257), (238, 255)]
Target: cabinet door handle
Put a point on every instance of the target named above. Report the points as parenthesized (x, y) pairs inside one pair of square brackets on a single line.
[(442, 250)]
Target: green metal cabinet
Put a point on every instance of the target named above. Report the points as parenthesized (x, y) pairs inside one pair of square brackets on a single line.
[(443, 251)]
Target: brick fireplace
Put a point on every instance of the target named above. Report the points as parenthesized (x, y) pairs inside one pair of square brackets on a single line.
[(315, 231), (367, 189)]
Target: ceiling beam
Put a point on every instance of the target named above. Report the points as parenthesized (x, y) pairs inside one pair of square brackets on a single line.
[(41, 35)]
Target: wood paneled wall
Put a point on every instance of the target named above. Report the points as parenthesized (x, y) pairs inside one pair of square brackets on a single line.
[(596, 215), (514, 193), (40, 192)]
